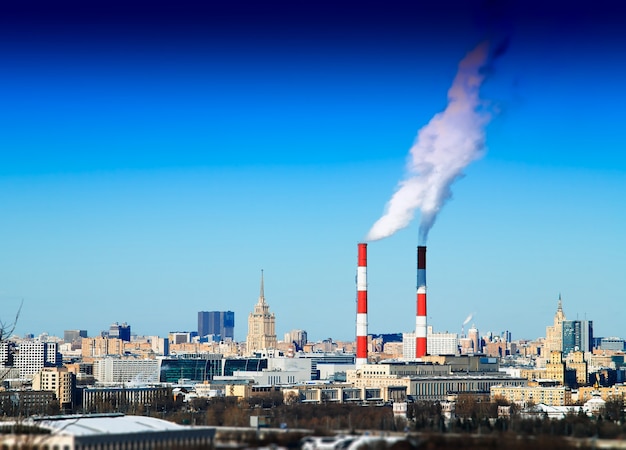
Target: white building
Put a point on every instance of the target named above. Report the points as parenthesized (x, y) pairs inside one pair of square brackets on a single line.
[(436, 344), (279, 371), (32, 356), (126, 371), (442, 343), (408, 346)]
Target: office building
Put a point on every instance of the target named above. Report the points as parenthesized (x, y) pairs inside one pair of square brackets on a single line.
[(117, 331), (442, 343), (220, 324), (58, 380), (612, 343), (74, 337), (577, 336), (127, 371), (33, 356), (101, 346)]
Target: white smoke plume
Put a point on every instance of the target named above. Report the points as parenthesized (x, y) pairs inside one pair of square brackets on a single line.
[(443, 148), (466, 321)]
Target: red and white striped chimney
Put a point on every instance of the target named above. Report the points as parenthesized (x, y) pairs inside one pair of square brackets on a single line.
[(361, 307), (420, 318)]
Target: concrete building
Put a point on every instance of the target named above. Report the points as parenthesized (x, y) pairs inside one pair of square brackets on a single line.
[(522, 395), (22, 403), (279, 371), (612, 343), (297, 337), (342, 361), (58, 380), (126, 370), (261, 325), (442, 343), (219, 324), (617, 391), (576, 361), (476, 341), (101, 346), (181, 337), (134, 398), (117, 331), (33, 356), (74, 337), (440, 388)]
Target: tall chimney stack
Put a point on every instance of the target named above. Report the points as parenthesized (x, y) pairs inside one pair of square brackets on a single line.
[(361, 307), (420, 318)]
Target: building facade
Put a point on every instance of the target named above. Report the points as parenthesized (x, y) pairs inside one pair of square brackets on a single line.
[(216, 323), (577, 336), (551, 396), (33, 356), (130, 370), (101, 346), (58, 380), (117, 331), (261, 325)]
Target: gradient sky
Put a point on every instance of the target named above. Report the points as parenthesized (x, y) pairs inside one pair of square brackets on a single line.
[(154, 158)]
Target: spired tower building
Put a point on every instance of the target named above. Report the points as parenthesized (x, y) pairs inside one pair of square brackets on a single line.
[(261, 325), (554, 333)]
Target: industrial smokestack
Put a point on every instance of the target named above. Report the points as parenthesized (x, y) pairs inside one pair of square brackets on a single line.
[(361, 307), (420, 318)]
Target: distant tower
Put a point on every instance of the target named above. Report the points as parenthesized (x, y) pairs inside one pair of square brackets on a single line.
[(216, 323), (117, 331), (261, 325), (472, 334), (361, 307), (554, 333)]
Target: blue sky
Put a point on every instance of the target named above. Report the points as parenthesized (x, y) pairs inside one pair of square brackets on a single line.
[(154, 159)]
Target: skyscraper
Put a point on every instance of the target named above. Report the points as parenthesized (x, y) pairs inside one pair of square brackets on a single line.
[(217, 323), (577, 335), (261, 325), (554, 333)]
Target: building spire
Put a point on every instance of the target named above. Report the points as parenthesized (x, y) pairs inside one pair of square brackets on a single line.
[(560, 305), (262, 293)]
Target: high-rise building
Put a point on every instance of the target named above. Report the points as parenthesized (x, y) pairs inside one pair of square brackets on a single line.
[(554, 333), (220, 324), (33, 356), (117, 331), (261, 325), (577, 335)]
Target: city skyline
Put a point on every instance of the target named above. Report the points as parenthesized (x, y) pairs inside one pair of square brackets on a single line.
[(153, 162)]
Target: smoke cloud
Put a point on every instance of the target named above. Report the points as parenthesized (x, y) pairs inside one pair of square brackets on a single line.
[(443, 148), (466, 321)]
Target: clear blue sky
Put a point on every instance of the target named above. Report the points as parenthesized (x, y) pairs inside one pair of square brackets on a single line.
[(153, 159)]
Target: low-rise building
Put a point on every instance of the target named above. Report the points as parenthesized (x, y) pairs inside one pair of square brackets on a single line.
[(551, 396)]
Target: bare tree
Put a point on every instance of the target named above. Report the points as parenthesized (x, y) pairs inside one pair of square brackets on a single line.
[(7, 328)]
